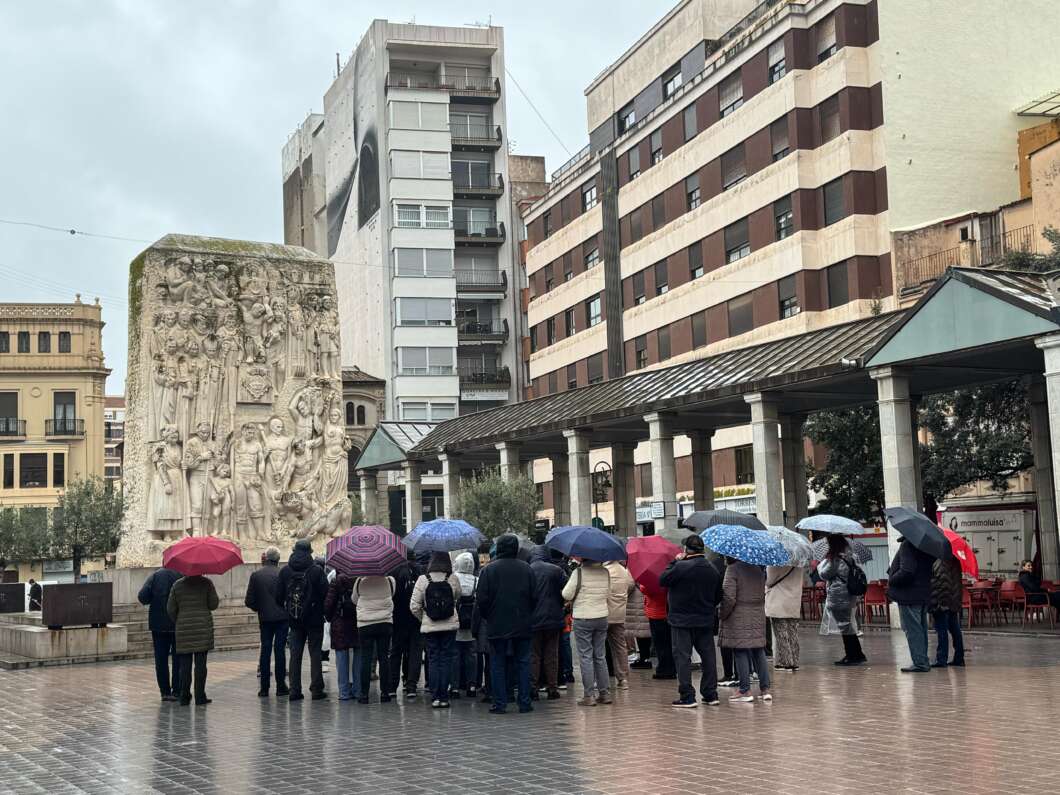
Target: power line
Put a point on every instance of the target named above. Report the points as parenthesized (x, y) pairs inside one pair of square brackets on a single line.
[(534, 107), (72, 231)]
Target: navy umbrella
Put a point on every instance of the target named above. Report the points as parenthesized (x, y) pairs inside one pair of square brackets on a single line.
[(581, 541), (443, 535), (919, 531)]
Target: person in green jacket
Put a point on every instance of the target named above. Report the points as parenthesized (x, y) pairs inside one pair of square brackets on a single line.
[(192, 601)]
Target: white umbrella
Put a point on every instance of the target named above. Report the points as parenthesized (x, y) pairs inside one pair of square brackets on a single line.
[(797, 545), (830, 523), (860, 552)]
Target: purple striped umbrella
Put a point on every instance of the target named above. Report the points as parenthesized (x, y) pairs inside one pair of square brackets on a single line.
[(366, 552)]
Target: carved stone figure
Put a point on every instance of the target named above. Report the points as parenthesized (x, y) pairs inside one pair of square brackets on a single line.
[(199, 456), (168, 494), (248, 476), (221, 501)]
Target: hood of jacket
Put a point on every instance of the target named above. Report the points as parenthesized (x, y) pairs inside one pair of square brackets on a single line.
[(540, 554), (507, 546), (301, 557), (464, 563)]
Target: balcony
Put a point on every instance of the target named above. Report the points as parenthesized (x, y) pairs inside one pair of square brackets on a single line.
[(498, 377), (471, 86), (470, 332), (481, 281), (66, 426), (915, 274), (473, 137), (12, 428), (478, 232), (477, 186)]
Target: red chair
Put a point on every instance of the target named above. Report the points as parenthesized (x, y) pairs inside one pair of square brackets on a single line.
[(1011, 597), (876, 603), (985, 599)]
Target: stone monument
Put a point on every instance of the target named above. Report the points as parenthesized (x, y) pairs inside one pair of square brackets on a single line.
[(234, 424)]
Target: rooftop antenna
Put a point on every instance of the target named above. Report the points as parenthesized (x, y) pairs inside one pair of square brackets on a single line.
[(338, 68), (477, 24)]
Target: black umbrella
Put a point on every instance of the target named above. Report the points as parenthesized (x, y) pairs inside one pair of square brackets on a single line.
[(701, 520), (919, 531)]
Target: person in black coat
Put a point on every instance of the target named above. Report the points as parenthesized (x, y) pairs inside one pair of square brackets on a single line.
[(692, 604), (506, 600), (406, 642), (272, 621), (155, 594), (909, 585), (548, 621), (300, 591), (36, 595), (1032, 587)]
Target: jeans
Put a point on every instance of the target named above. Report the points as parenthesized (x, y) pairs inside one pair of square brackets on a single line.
[(406, 656), (566, 658), (500, 675), (375, 644), (948, 622), (348, 673), (745, 659), (301, 637), (683, 640), (199, 660), (165, 644), (440, 648), (591, 636), (544, 659), (463, 676), (914, 625), (273, 645), (661, 644), (616, 643)]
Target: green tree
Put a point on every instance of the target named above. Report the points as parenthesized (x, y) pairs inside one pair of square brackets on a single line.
[(87, 521), (851, 480), (497, 506), (23, 535)]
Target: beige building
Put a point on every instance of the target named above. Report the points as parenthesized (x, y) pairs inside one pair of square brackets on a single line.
[(746, 166)]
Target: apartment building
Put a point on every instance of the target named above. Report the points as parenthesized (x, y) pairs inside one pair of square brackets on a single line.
[(403, 182), (52, 376), (746, 166), (113, 438)]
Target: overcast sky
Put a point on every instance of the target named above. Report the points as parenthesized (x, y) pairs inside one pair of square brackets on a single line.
[(135, 118)]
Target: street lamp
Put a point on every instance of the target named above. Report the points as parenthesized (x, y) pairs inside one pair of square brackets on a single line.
[(601, 483)]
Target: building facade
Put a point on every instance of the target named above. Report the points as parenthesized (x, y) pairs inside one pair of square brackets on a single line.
[(364, 404), (403, 182), (746, 166), (113, 438)]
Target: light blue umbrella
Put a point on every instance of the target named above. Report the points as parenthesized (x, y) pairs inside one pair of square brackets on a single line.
[(797, 546), (830, 523), (443, 535), (756, 547)]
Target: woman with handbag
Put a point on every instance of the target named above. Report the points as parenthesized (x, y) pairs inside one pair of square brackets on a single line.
[(838, 615), (783, 607)]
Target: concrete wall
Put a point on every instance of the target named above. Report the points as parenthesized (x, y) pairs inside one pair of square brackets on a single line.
[(1045, 187), (127, 582)]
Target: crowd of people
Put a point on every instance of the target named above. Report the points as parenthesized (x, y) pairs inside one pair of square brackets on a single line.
[(503, 627)]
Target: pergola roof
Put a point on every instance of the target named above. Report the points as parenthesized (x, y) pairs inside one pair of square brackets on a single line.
[(390, 443)]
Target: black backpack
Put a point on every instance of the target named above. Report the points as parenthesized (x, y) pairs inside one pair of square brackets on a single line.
[(465, 609), (438, 602), (347, 609), (857, 582), (297, 601)]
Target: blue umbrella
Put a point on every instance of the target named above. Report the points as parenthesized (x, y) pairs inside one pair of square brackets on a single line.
[(443, 535), (751, 546), (830, 523), (579, 541)]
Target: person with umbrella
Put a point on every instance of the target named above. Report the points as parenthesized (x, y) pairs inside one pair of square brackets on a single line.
[(300, 591), (946, 596), (272, 622), (743, 625), (374, 597), (838, 615), (434, 599), (693, 594), (548, 621), (191, 603), (784, 598)]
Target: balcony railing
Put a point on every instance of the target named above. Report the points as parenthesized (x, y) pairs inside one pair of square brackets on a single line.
[(489, 182), (485, 375), (481, 280), (65, 426), (489, 328), (468, 84), (12, 426), (477, 133), (478, 231), (435, 369), (993, 248), (988, 252)]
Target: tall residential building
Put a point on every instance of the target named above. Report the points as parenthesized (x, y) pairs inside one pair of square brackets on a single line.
[(113, 438), (403, 182), (746, 167), (52, 376)]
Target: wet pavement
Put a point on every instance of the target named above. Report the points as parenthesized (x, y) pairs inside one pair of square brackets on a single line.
[(986, 728)]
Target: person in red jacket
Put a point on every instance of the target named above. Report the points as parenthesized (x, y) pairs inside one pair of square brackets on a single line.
[(655, 610)]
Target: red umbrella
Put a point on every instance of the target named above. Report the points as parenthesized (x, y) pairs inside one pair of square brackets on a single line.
[(366, 551), (962, 550), (647, 557), (202, 555)]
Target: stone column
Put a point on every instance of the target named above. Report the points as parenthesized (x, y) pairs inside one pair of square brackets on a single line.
[(623, 489), (793, 453), (450, 485), (765, 425), (510, 466), (369, 509), (1045, 428), (663, 471), (702, 468), (897, 445), (579, 478), (560, 491), (413, 496)]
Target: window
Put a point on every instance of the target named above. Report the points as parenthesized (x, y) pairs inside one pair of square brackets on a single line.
[(569, 326), (595, 365), (44, 342), (419, 165), (437, 217), (656, 147), (662, 278), (465, 124), (664, 343), (5, 342), (737, 242), (23, 342), (572, 376), (9, 471), (470, 173), (640, 352), (33, 471), (546, 220), (533, 340), (550, 331), (8, 412), (789, 302), (833, 202), (778, 136), (838, 294), (351, 414), (634, 163), (419, 216), (638, 288), (730, 94), (777, 64), (645, 480), (568, 267), (434, 262), (425, 312), (425, 361), (658, 212), (593, 312), (692, 196), (636, 227), (689, 117), (58, 470), (671, 81), (695, 260), (588, 196), (745, 465), (64, 342), (552, 388), (592, 257), (414, 411), (741, 315), (826, 44), (418, 115), (733, 167), (442, 411), (549, 277), (64, 410), (829, 110), (627, 117), (699, 329), (784, 221)]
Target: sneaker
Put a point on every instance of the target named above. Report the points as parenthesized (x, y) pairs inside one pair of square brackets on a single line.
[(562, 686), (623, 684), (604, 698), (553, 695), (454, 694), (319, 696), (958, 663), (939, 665), (641, 665), (436, 703), (261, 694), (497, 710), (712, 702), (471, 691), (296, 697), (729, 683), (410, 694), (767, 696), (916, 669), (282, 691), (443, 705), (684, 703), (587, 701), (741, 699)]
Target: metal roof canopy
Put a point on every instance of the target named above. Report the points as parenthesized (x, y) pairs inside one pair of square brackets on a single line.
[(389, 444), (1047, 105)]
